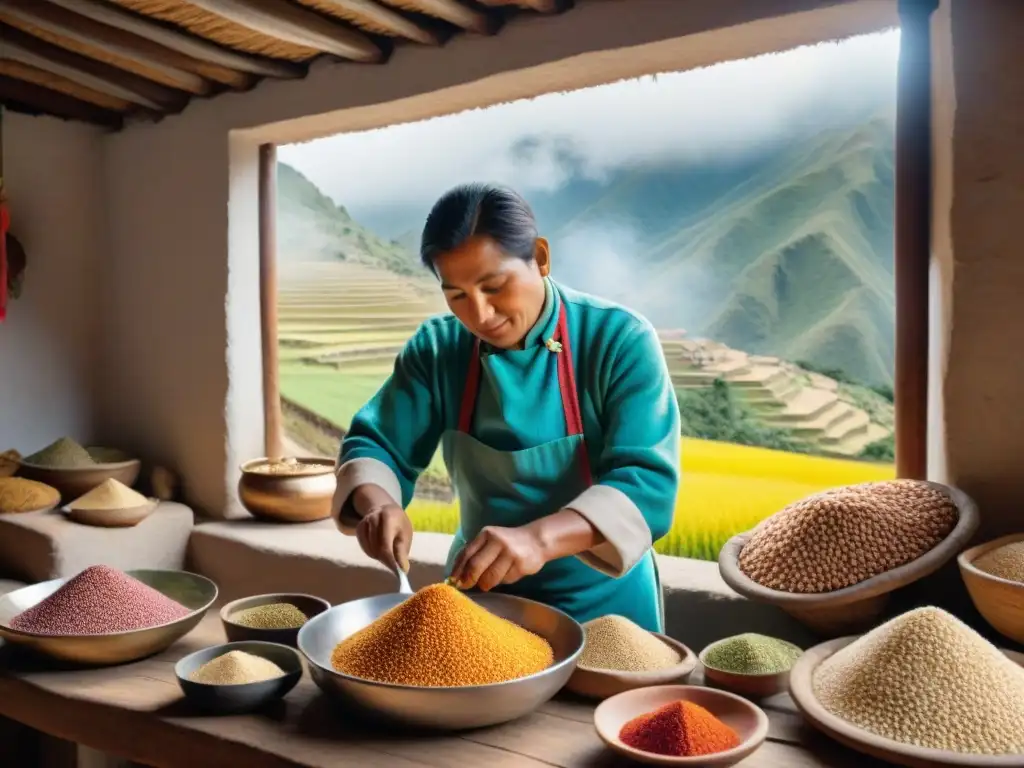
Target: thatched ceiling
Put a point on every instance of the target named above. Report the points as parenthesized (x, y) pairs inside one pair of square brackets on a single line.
[(109, 61)]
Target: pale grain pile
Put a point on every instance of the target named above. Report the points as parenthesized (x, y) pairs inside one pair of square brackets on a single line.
[(271, 616), (844, 536), (236, 668), (616, 643), (20, 495), (752, 654), (439, 637), (1006, 562), (927, 679), (289, 467), (64, 453), (109, 495)]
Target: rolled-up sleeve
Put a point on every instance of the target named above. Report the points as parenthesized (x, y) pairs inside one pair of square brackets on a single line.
[(394, 436), (636, 478)]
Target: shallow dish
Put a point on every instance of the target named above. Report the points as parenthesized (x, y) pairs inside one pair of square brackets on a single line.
[(602, 683), (112, 518), (240, 697), (802, 691), (72, 483), (749, 722), (308, 604), (999, 601), (464, 707), (752, 686), (288, 498), (195, 592), (855, 609)]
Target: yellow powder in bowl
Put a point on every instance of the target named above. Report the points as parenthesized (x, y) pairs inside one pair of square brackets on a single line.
[(109, 495), (20, 495)]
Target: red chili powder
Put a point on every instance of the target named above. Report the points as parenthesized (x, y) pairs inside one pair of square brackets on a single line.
[(98, 600), (679, 729)]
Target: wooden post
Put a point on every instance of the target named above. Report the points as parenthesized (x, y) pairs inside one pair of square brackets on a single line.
[(272, 422), (913, 236)]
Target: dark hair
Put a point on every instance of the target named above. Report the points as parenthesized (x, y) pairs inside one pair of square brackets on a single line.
[(479, 209)]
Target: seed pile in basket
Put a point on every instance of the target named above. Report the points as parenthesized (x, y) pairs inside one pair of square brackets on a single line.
[(1006, 562), (616, 643), (846, 535), (927, 679), (236, 668), (752, 654), (99, 600), (440, 637), (271, 616), (679, 729)]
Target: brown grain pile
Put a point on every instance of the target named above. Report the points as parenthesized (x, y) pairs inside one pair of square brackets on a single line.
[(20, 495), (927, 679), (846, 535), (1005, 562), (439, 637)]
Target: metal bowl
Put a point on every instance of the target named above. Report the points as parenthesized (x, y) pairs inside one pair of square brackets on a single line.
[(195, 592), (308, 604), (241, 697), (472, 706), (72, 483), (288, 498)]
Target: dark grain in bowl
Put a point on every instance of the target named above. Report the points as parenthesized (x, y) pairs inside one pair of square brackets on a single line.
[(308, 604), (242, 697)]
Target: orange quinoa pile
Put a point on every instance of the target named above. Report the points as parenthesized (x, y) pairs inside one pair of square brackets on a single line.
[(439, 637), (679, 729)]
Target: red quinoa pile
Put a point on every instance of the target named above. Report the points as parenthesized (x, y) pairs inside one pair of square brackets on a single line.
[(99, 600), (847, 535), (679, 729)]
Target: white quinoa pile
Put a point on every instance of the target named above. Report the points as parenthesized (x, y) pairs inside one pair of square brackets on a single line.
[(236, 668), (616, 643), (927, 679), (844, 536), (1005, 562)]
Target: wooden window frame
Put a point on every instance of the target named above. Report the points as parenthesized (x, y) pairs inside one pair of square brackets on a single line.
[(912, 252)]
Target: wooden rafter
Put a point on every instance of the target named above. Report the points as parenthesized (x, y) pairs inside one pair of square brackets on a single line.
[(168, 99), (374, 17), (279, 19), (540, 6), (453, 12), (219, 58), (176, 67), (46, 79), (28, 96)]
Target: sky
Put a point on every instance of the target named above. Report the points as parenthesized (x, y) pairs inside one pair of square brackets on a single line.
[(697, 116)]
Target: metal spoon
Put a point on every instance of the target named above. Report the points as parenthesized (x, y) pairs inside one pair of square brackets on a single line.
[(404, 588)]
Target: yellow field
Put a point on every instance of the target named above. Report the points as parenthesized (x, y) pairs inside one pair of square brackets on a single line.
[(725, 489)]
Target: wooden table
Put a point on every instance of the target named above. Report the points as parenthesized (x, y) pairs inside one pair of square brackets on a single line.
[(136, 711)]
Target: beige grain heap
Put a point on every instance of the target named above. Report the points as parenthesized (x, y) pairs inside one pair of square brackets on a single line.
[(844, 536), (927, 679), (110, 495), (616, 643), (236, 668), (1005, 562), (290, 467)]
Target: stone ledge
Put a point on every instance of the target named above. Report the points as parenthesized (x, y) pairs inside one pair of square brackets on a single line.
[(248, 557), (46, 545)]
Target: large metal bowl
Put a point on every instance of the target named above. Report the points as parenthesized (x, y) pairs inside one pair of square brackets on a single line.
[(463, 707), (195, 592)]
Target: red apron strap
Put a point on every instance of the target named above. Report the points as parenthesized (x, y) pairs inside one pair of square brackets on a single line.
[(469, 392)]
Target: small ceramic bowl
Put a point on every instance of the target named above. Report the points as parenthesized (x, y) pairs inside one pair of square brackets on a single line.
[(602, 683), (112, 518), (751, 686), (308, 604), (999, 601), (241, 697), (748, 720)]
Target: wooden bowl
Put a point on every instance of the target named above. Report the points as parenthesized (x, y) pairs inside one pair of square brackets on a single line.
[(288, 498), (999, 601), (865, 742), (855, 609), (72, 483), (112, 518), (751, 686), (748, 720), (308, 604), (602, 683)]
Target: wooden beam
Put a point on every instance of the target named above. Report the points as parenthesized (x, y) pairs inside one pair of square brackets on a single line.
[(174, 66), (540, 6), (188, 45), (34, 98), (453, 12), (913, 236), (273, 428), (376, 18), (46, 79), (283, 21), (168, 99)]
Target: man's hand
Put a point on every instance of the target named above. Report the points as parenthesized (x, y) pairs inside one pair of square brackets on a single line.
[(499, 556), (385, 534)]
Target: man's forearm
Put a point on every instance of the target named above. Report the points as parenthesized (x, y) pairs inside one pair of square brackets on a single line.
[(368, 497), (564, 534)]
